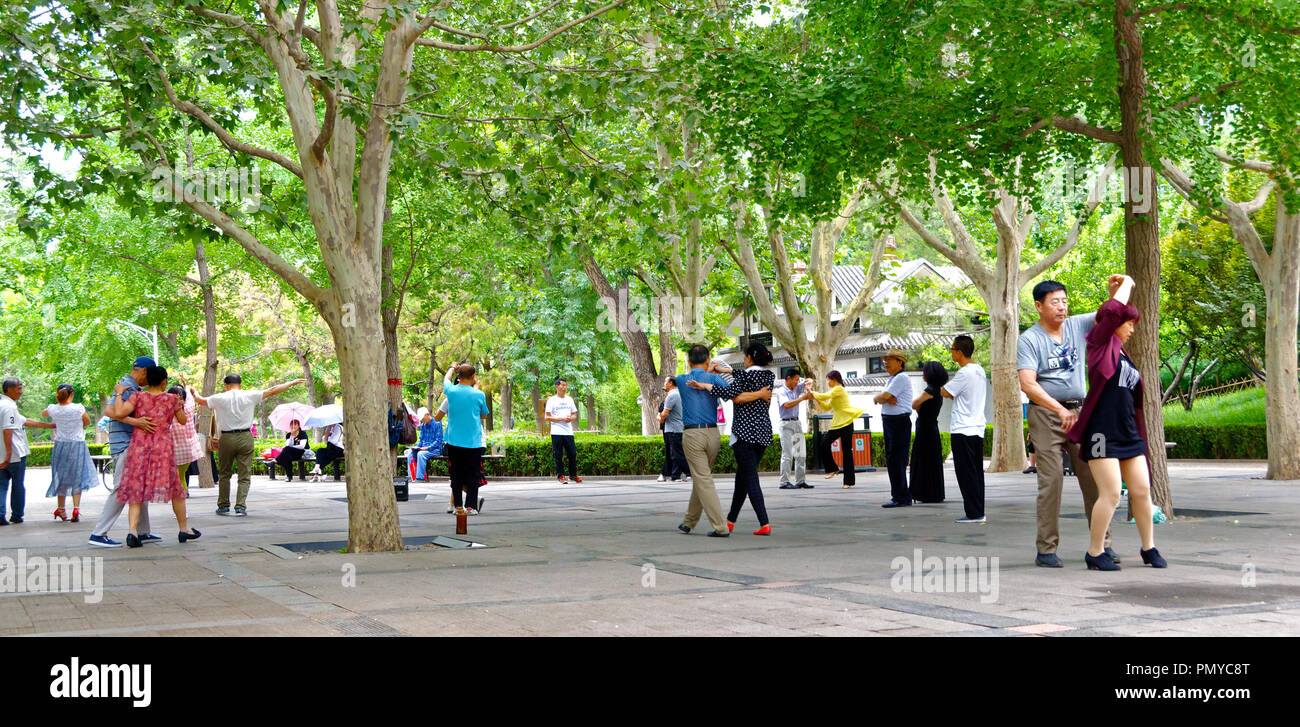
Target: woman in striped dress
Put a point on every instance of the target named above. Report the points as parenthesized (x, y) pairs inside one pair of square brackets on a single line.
[(187, 448), (71, 470)]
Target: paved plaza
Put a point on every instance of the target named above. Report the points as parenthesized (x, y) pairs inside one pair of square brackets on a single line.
[(605, 558)]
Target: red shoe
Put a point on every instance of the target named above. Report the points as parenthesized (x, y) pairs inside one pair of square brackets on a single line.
[(76, 515), (730, 526), (563, 480), (765, 530), (59, 514), (577, 478)]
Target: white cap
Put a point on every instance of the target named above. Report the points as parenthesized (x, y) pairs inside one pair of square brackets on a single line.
[(420, 414)]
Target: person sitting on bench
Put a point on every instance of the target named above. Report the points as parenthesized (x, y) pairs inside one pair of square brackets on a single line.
[(332, 450), (295, 445), (428, 447)]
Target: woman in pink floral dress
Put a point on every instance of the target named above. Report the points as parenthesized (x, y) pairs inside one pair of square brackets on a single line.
[(149, 473)]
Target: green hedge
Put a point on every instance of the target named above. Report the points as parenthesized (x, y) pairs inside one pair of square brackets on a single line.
[(1198, 441), (40, 456), (1232, 441), (600, 454)]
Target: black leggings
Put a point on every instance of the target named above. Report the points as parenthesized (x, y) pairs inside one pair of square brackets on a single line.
[(747, 458), (845, 435), (464, 464)]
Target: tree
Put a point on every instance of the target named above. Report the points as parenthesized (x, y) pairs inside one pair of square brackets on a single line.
[(343, 84), (999, 284)]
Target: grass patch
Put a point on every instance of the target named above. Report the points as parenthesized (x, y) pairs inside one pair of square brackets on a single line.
[(1245, 406)]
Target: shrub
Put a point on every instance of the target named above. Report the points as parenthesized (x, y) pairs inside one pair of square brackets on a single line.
[(40, 456)]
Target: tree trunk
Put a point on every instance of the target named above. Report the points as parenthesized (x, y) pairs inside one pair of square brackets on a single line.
[(391, 314), (635, 339), (1008, 429), (536, 395), (1281, 389), (359, 345), (1142, 241), (203, 415), (1178, 375), (592, 424), (507, 405)]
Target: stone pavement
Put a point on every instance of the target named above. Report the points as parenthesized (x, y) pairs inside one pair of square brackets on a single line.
[(604, 558)]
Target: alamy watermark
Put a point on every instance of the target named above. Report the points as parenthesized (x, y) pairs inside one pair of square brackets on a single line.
[(651, 313), (38, 574), (214, 185), (932, 574)]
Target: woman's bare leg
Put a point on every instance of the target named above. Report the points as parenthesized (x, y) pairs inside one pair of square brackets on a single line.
[(1106, 472), (133, 517), (1139, 497), (76, 501), (178, 507), (62, 500)]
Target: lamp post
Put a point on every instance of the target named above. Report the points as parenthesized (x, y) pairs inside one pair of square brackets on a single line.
[(151, 336)]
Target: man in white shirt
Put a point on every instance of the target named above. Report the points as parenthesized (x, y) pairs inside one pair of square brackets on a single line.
[(234, 410), (793, 449), (14, 451), (968, 389), (896, 423), (561, 412)]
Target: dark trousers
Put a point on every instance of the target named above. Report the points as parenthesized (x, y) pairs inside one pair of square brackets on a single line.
[(747, 458), (898, 440), (11, 479), (327, 454), (562, 446), (845, 435), (968, 461), (464, 463), (286, 458), (674, 457)]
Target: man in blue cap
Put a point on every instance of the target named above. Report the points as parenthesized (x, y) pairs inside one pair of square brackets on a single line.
[(119, 439)]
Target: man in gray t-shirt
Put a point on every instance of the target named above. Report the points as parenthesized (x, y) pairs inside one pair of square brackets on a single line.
[(1051, 357), (671, 420)]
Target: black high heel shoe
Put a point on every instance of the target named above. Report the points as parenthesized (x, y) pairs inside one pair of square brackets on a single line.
[(133, 540), (190, 536), (1153, 558), (1100, 562)]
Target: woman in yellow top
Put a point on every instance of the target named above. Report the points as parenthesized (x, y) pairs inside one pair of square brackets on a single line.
[(837, 400)]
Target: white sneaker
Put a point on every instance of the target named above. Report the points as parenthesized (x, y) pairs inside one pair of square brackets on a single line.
[(315, 470), (451, 509), (971, 520), (661, 479), (471, 511), (315, 478)]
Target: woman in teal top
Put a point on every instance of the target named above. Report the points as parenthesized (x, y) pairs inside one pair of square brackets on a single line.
[(464, 438)]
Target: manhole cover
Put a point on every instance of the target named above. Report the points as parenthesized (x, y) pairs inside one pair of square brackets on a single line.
[(1181, 513), (1196, 595), (362, 626), (317, 546)]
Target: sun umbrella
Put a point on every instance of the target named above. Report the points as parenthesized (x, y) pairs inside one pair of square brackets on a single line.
[(323, 416), (285, 413)]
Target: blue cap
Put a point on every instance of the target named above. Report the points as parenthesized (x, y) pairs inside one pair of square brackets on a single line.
[(143, 362)]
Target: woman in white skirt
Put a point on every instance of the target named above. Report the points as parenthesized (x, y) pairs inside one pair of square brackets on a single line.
[(71, 470)]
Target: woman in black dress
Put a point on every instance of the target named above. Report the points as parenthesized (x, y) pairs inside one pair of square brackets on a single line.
[(1111, 429), (751, 433), (927, 453)]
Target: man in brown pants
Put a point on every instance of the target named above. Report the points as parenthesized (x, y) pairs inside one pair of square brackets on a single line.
[(1050, 358), (233, 410), (700, 440)]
